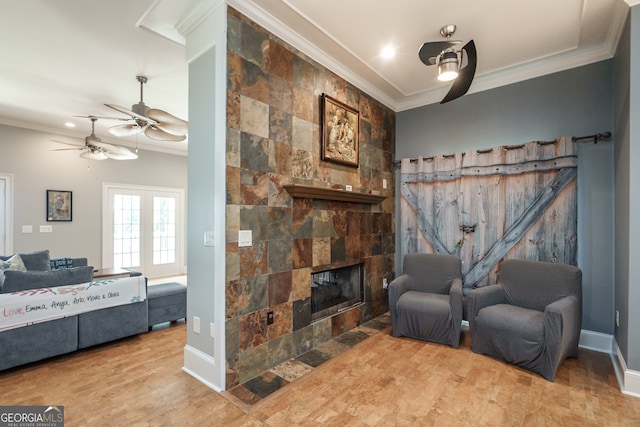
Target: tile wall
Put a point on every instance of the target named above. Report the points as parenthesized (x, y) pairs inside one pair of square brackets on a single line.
[(273, 139)]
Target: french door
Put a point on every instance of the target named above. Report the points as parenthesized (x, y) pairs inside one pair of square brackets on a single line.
[(143, 229)]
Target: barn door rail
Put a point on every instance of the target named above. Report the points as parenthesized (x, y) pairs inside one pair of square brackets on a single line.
[(597, 137)]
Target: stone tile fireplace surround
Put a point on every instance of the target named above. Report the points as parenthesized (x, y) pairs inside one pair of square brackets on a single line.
[(273, 141)]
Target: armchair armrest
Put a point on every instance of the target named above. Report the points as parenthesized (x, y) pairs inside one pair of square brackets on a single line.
[(456, 300), (397, 287), (484, 297), (562, 325)]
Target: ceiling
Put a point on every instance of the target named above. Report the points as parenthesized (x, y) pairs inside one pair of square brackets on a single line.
[(69, 57)]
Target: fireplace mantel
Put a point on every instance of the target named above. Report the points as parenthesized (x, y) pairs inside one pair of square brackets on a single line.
[(323, 193)]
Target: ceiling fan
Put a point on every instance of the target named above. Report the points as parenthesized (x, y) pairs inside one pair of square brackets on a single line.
[(450, 62), (156, 124), (95, 149)]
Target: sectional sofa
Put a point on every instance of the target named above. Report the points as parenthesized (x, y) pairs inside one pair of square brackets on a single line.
[(55, 292)]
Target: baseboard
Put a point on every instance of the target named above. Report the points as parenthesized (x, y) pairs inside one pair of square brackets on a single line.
[(201, 366), (628, 380), (596, 341)]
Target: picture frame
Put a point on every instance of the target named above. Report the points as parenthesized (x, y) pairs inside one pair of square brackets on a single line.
[(340, 128), (59, 205)]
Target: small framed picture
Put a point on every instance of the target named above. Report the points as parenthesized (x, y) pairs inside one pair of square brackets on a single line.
[(340, 132), (58, 205)]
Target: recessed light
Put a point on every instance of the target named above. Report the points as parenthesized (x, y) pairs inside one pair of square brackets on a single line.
[(388, 52), (70, 125)]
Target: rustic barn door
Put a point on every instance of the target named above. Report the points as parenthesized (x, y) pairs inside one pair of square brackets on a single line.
[(488, 205)]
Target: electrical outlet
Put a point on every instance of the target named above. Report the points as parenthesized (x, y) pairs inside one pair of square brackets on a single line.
[(348, 188), (384, 183), (196, 324), (617, 319), (385, 284)]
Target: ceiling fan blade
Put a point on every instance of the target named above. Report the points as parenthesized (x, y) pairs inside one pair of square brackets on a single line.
[(465, 76), (128, 129), (78, 147), (93, 155), (429, 51), (118, 156), (115, 151), (168, 122), (160, 135), (131, 113), (103, 117)]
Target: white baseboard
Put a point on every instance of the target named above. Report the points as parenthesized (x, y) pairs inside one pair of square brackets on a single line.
[(628, 380), (596, 341), (201, 366)]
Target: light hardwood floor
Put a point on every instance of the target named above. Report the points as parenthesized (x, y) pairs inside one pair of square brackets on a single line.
[(382, 381)]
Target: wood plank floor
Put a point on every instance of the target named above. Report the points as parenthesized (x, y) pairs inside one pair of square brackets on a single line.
[(382, 381)]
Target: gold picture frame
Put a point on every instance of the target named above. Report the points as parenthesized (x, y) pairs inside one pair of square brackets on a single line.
[(340, 132), (59, 205)]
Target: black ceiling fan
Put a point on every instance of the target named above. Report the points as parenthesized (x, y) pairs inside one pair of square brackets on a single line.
[(459, 66)]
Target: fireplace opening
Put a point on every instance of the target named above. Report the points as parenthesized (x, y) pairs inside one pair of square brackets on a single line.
[(335, 290)]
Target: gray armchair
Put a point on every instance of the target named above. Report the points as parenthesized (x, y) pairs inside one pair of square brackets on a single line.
[(532, 318), (426, 300)]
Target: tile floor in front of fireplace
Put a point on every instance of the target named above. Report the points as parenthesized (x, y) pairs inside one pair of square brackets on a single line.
[(258, 388)]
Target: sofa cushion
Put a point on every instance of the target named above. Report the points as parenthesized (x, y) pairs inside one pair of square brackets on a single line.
[(16, 281), (37, 260)]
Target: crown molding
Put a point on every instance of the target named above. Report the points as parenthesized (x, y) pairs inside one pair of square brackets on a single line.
[(279, 29), (399, 101)]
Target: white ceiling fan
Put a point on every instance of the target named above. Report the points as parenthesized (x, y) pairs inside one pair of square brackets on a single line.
[(95, 149), (156, 124)]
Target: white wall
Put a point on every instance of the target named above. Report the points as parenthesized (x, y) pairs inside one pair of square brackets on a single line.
[(29, 156)]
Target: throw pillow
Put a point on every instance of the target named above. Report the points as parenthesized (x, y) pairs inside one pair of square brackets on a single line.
[(13, 263), (16, 281), (37, 260), (58, 263)]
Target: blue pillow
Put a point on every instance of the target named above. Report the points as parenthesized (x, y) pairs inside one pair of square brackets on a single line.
[(58, 263)]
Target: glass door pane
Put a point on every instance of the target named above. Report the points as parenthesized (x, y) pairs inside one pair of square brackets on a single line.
[(126, 230), (164, 230)]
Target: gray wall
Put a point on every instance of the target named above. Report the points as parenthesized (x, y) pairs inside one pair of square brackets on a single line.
[(627, 190), (576, 102), (201, 200), (28, 156), (633, 235)]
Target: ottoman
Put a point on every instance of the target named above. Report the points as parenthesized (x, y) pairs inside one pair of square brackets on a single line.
[(167, 303)]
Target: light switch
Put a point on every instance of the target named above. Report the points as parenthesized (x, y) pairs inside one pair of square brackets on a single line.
[(245, 238), (27, 229), (208, 238), (384, 183), (46, 228)]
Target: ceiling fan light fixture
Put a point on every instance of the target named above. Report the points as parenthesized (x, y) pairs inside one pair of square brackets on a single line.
[(448, 67)]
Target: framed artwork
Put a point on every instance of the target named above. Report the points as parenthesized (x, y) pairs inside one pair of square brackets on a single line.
[(340, 132), (58, 205)]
